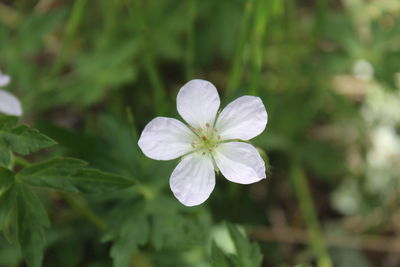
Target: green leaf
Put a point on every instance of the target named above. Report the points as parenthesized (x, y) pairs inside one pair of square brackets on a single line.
[(7, 204), (71, 175), (5, 156), (218, 258), (248, 254), (24, 140), (8, 122), (95, 181), (6, 178), (128, 232), (32, 218)]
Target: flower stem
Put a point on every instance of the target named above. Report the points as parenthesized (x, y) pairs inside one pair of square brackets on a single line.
[(154, 76), (85, 211), (190, 50), (237, 66), (302, 191), (73, 23), (260, 23)]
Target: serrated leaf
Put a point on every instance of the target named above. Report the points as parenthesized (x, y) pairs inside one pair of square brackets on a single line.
[(8, 122), (32, 219), (7, 204), (5, 156), (95, 181), (6, 178), (130, 231), (248, 254), (24, 140), (72, 175), (218, 258), (165, 222)]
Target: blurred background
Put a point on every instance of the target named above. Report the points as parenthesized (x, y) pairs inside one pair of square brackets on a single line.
[(91, 74)]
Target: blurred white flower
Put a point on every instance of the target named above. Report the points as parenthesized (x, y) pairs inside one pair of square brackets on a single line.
[(9, 104), (385, 147), (210, 142), (363, 70)]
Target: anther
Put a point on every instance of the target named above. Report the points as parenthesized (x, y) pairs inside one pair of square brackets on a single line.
[(203, 153), (204, 138), (207, 125), (219, 137)]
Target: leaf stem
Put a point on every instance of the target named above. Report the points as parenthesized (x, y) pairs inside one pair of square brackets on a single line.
[(73, 23), (261, 17), (237, 66), (20, 161), (302, 191), (85, 211), (153, 74)]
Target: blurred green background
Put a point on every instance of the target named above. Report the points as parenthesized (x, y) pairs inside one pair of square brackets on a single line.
[(91, 74)]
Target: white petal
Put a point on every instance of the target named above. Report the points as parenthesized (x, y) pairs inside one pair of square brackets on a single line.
[(9, 104), (240, 162), (244, 118), (4, 79), (198, 103), (165, 139), (193, 179)]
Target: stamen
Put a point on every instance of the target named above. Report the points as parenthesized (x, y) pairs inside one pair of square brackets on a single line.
[(219, 137), (207, 125), (204, 138)]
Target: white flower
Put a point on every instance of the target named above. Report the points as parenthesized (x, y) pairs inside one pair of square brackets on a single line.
[(9, 104), (210, 141)]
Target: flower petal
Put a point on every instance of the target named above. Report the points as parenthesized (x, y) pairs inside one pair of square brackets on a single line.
[(4, 79), (240, 162), (9, 104), (165, 139), (198, 103), (244, 118), (193, 180)]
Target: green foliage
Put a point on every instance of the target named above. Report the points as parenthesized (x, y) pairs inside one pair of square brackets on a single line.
[(91, 74), (71, 175), (31, 221), (246, 254), (20, 139)]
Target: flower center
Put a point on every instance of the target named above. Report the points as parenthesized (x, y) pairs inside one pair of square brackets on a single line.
[(207, 139)]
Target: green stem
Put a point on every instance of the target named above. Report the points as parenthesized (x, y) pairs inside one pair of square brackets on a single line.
[(73, 23), (131, 120), (260, 23), (19, 161), (189, 57), (302, 191), (85, 211), (150, 64), (319, 24), (237, 67)]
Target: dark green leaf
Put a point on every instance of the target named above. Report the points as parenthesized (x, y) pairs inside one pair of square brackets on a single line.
[(5, 156), (6, 178), (24, 140), (7, 203), (8, 122), (248, 254), (218, 258), (71, 175), (129, 231), (32, 218), (95, 181)]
